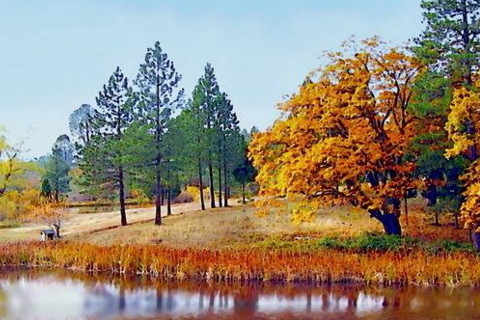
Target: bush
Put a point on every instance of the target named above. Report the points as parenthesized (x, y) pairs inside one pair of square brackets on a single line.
[(377, 242)]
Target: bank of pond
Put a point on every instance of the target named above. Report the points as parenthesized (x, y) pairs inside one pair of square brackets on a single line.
[(321, 266)]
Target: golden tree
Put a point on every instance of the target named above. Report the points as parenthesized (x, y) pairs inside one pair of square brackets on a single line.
[(344, 136), (462, 128)]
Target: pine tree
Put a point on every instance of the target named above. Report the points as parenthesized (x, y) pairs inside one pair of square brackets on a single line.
[(228, 142), (159, 93), (103, 157), (204, 104), (451, 39), (58, 166), (245, 172)]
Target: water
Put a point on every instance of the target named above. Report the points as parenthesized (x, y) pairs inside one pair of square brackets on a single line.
[(63, 295)]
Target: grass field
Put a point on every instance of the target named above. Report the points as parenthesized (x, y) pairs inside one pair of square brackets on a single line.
[(234, 227), (237, 227)]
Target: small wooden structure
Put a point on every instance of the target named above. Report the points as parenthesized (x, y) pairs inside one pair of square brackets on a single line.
[(50, 234), (47, 234)]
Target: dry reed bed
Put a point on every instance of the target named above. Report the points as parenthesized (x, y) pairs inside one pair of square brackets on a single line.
[(321, 266)]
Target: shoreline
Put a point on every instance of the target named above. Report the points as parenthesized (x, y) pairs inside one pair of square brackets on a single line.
[(319, 267)]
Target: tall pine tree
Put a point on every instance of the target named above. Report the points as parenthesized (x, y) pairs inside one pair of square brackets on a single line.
[(204, 105), (103, 157), (159, 94)]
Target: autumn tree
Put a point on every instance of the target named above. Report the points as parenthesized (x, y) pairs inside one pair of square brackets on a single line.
[(159, 95), (344, 137), (462, 130), (9, 164)]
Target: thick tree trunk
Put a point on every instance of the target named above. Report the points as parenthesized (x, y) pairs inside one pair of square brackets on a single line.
[(390, 222), (158, 199), (220, 200), (212, 187), (200, 179), (169, 201), (123, 213)]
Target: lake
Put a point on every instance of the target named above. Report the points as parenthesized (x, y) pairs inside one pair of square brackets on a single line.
[(61, 294)]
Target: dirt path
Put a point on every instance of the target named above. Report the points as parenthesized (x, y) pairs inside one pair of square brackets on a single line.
[(96, 222)]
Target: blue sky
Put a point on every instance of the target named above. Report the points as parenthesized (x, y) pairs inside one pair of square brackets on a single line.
[(56, 54)]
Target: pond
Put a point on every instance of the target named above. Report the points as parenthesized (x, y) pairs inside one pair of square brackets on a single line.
[(67, 295)]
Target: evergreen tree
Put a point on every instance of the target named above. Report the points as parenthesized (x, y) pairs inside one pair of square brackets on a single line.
[(228, 143), (204, 104), (450, 41), (103, 156), (46, 189), (245, 172), (58, 165), (449, 45), (188, 136), (159, 93)]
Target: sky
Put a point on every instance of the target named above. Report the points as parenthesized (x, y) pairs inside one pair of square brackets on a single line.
[(55, 55)]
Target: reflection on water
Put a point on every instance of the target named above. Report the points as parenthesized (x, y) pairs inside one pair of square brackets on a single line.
[(62, 295)]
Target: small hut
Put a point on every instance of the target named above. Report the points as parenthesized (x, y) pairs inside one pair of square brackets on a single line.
[(50, 234), (47, 234)]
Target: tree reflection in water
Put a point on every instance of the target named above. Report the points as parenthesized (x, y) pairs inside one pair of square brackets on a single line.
[(32, 293)]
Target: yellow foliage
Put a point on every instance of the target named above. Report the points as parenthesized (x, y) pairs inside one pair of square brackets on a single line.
[(462, 128), (352, 122), (195, 192)]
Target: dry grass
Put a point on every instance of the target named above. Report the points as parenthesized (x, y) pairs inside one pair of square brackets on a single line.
[(235, 227), (227, 227), (325, 266), (240, 227)]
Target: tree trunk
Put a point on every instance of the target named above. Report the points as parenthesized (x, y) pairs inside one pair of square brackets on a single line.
[(158, 199), (220, 201), (405, 201), (243, 192), (123, 213), (169, 201), (391, 224), (437, 222), (432, 195), (476, 240), (390, 221), (212, 187), (457, 225), (200, 179), (226, 194)]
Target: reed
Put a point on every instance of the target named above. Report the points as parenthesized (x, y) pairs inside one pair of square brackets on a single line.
[(319, 266)]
